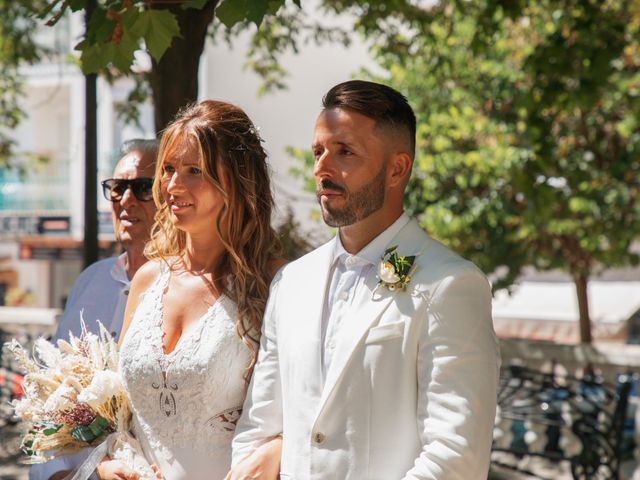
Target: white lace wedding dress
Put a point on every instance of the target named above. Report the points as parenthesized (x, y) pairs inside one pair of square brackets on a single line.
[(185, 404)]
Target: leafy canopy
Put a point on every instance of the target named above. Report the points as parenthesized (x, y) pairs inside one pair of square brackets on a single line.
[(529, 138)]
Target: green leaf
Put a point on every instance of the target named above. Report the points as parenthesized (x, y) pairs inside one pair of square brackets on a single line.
[(390, 249), (93, 57), (121, 54), (158, 28), (274, 5), (83, 433), (99, 425), (197, 4), (76, 5), (231, 12), (49, 428), (130, 17), (100, 28), (257, 10)]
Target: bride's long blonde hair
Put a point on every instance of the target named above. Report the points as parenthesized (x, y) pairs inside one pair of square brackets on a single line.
[(229, 147)]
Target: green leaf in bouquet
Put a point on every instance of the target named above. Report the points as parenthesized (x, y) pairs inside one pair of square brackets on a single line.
[(26, 447), (83, 433), (51, 428), (98, 426), (389, 250)]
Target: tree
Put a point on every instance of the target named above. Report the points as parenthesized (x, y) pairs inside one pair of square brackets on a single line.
[(174, 34), (17, 47), (529, 138)]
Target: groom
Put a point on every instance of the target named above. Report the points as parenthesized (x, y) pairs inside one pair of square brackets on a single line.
[(373, 369)]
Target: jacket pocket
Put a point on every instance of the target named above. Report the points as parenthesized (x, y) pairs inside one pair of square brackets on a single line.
[(385, 332)]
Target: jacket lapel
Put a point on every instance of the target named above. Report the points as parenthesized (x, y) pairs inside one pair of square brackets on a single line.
[(309, 300), (368, 308)]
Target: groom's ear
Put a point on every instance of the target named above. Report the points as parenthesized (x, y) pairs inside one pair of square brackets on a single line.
[(399, 169)]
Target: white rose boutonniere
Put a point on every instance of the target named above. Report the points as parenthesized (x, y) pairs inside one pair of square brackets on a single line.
[(394, 271)]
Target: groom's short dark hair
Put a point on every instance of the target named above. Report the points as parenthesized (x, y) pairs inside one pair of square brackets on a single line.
[(388, 107)]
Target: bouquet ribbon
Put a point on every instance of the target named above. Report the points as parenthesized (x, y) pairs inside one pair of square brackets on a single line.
[(92, 461), (120, 445)]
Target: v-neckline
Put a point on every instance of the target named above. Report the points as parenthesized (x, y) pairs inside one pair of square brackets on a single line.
[(185, 333)]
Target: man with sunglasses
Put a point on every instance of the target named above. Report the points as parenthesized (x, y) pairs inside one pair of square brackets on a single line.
[(101, 290)]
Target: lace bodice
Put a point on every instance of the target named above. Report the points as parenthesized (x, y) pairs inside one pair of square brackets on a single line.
[(185, 404)]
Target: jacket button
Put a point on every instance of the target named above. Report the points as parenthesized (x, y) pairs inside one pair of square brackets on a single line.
[(319, 438)]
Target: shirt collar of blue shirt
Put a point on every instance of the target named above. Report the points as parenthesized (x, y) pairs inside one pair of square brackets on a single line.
[(119, 271)]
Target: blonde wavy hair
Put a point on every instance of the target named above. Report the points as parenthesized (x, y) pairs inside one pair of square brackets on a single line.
[(229, 147)]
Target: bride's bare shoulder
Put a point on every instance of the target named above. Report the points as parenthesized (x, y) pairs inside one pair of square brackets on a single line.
[(146, 274)]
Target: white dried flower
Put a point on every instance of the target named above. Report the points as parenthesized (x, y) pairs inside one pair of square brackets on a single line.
[(109, 349), (104, 385), (47, 353), (22, 356), (61, 399), (65, 347), (95, 351), (26, 409)]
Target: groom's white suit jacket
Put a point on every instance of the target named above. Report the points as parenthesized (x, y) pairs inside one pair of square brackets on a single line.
[(411, 389)]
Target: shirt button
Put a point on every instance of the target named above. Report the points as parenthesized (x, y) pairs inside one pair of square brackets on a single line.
[(126, 292), (319, 438), (350, 262), (344, 295)]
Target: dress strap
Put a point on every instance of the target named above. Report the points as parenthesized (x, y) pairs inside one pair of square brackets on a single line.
[(159, 285)]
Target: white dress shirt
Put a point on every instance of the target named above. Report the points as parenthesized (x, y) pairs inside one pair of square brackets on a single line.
[(345, 284)]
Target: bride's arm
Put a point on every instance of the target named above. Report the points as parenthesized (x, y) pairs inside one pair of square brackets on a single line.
[(109, 469), (140, 283)]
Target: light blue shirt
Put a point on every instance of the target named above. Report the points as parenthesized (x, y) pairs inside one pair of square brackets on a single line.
[(100, 292)]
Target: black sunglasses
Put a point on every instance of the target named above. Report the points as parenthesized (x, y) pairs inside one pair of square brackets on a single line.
[(114, 188)]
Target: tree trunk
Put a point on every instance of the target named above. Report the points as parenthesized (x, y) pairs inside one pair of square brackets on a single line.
[(174, 79), (581, 281), (90, 241)]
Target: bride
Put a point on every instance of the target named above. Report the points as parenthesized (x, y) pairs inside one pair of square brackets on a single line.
[(192, 322)]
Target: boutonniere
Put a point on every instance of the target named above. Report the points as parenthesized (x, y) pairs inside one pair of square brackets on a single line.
[(394, 271)]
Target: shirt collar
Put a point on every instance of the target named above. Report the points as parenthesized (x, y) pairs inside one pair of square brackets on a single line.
[(374, 250), (119, 271)]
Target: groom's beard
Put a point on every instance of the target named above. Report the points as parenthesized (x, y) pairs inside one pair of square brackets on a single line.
[(357, 205)]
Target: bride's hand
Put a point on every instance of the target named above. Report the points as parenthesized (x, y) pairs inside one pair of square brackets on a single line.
[(115, 470), (156, 470), (263, 463)]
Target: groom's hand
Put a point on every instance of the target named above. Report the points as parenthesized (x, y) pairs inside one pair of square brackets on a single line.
[(262, 464)]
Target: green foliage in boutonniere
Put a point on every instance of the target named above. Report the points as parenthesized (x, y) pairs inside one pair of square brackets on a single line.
[(394, 271)]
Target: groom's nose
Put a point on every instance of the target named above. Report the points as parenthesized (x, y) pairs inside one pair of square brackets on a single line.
[(324, 166)]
